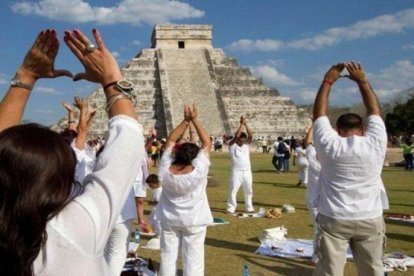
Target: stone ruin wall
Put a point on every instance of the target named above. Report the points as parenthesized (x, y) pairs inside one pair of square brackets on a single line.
[(165, 77)]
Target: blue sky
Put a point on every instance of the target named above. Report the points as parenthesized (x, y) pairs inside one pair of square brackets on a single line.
[(290, 44)]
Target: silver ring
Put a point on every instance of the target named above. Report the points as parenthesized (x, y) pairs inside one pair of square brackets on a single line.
[(91, 47)]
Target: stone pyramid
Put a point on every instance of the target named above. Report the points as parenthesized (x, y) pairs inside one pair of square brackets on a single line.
[(182, 67)]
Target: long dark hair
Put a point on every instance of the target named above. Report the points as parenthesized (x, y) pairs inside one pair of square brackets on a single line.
[(185, 154), (36, 178)]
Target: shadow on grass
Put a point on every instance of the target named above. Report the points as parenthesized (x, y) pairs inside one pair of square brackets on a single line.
[(292, 266), (265, 171), (401, 204), (399, 190), (230, 245), (398, 222), (401, 237)]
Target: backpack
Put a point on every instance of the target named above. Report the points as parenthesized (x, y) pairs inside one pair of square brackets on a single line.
[(281, 148)]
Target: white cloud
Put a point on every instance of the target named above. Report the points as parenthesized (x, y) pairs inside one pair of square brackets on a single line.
[(4, 79), (135, 12), (394, 79), (408, 47), (388, 23), (255, 45), (135, 43), (46, 90), (272, 76), (115, 54), (45, 111)]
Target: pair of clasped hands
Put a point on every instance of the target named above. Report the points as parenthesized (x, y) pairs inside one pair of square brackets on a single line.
[(100, 65)]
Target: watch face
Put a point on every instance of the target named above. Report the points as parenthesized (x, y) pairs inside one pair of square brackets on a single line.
[(124, 84)]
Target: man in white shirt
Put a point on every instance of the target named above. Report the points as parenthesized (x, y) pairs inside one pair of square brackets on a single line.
[(352, 194), (279, 150), (241, 173)]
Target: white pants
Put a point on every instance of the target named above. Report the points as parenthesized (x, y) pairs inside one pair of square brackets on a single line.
[(191, 241), (116, 248), (303, 167), (237, 179)]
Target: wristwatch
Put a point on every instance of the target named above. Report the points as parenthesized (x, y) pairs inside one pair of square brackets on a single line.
[(15, 82), (122, 85)]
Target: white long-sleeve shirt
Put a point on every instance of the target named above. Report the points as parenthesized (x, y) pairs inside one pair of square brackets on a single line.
[(77, 236)]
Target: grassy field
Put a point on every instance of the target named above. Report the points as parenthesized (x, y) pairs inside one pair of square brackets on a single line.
[(228, 247)]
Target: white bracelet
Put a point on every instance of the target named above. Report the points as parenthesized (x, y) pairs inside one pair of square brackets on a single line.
[(115, 99)]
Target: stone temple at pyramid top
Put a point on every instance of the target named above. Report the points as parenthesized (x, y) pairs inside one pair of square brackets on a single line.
[(182, 36), (182, 67)]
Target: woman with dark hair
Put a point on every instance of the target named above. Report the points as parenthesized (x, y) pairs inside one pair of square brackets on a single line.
[(44, 229), (183, 209)]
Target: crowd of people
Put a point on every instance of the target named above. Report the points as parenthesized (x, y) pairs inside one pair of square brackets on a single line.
[(68, 204)]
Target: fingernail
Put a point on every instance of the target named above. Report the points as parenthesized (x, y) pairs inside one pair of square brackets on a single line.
[(66, 38), (76, 32), (53, 32), (47, 31), (94, 30)]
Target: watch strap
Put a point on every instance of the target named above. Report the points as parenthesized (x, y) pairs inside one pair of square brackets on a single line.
[(15, 82)]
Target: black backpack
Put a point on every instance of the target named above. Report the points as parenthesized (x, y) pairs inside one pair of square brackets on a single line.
[(281, 148)]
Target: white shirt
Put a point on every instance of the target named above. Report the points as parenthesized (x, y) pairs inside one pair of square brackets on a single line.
[(156, 194), (240, 157), (138, 190), (85, 161), (313, 188), (183, 199), (275, 146), (350, 179), (77, 236), (300, 154)]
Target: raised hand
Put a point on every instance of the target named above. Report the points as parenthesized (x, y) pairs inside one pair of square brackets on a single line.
[(334, 72), (243, 120), (39, 60), (100, 65), (190, 113), (79, 102), (356, 73), (67, 106)]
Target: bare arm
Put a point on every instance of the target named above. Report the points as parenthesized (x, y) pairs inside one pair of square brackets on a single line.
[(100, 66), (85, 121), (38, 63), (238, 132), (71, 116), (322, 98), (201, 132), (309, 136), (369, 97), (139, 203), (192, 136), (177, 132), (249, 132)]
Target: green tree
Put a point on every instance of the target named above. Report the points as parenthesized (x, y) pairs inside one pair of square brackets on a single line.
[(401, 120)]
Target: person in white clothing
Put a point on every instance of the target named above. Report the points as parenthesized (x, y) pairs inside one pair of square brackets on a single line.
[(51, 231), (116, 249), (313, 188), (302, 164), (352, 194), (280, 148), (183, 208), (154, 184), (241, 172)]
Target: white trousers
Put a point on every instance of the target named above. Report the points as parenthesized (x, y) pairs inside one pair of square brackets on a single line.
[(245, 180), (191, 241), (303, 167), (116, 248)]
